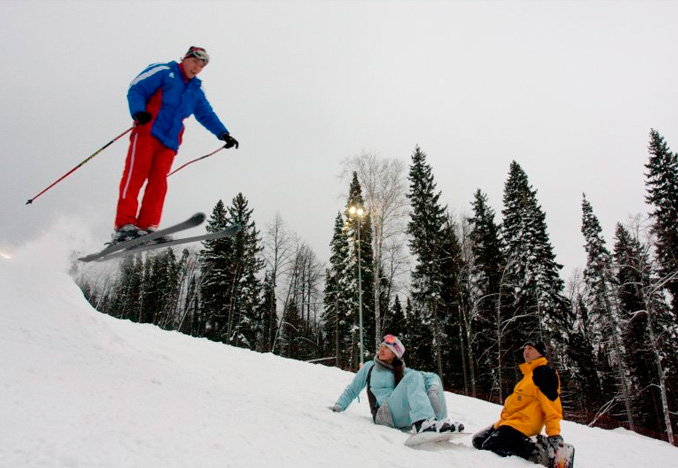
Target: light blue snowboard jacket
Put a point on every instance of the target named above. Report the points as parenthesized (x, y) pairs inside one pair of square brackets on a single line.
[(382, 383)]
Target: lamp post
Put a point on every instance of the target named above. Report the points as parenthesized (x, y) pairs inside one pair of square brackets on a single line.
[(357, 212)]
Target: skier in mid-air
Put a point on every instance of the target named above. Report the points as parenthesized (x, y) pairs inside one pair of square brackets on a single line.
[(399, 397), (535, 402), (160, 98)]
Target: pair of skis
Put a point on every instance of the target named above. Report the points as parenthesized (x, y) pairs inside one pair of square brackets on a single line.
[(150, 241)]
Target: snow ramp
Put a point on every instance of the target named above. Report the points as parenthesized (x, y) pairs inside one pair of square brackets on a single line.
[(82, 389)]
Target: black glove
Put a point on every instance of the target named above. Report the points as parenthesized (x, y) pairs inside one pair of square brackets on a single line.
[(142, 117), (556, 441), (230, 141)]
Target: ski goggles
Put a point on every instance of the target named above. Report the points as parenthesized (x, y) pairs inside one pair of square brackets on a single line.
[(199, 53), (390, 341)]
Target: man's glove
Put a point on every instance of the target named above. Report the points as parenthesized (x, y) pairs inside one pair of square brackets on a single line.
[(556, 441), (230, 141), (142, 117), (336, 408)]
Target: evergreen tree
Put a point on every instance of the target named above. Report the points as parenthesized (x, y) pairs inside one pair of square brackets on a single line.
[(230, 287), (583, 389), (269, 319), (291, 334), (633, 278), (396, 322), (192, 323), (160, 288), (490, 297), (338, 303), (648, 324), (603, 312), (539, 306), (246, 263), (427, 244), (418, 336), (218, 280), (148, 297), (452, 313), (662, 194), (127, 295)]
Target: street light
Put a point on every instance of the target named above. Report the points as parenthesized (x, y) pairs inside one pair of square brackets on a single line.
[(358, 212)]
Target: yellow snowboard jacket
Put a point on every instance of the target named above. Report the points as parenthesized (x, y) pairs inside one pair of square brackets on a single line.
[(535, 401)]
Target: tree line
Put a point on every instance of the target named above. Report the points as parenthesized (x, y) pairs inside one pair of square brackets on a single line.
[(464, 292)]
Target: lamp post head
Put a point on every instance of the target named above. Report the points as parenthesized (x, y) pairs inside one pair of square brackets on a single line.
[(356, 211)]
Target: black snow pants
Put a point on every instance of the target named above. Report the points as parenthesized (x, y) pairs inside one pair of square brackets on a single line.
[(504, 441)]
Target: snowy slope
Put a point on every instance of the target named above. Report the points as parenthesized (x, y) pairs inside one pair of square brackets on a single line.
[(81, 389)]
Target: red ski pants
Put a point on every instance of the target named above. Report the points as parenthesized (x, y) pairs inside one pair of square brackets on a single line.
[(148, 161)]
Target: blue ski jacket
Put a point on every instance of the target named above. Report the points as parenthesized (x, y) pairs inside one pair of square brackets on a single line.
[(162, 90), (382, 383)]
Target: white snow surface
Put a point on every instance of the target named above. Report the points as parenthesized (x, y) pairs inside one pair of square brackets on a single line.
[(82, 389)]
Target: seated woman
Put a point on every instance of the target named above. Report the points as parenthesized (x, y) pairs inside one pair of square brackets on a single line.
[(399, 397)]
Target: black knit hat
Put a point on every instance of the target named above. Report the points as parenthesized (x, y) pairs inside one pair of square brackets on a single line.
[(540, 346)]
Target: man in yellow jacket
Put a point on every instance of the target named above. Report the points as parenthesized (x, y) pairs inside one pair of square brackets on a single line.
[(534, 403)]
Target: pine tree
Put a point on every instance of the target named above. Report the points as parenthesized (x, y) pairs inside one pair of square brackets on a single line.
[(291, 334), (161, 285), (490, 297), (230, 289), (127, 297), (662, 194), (648, 326), (218, 280), (269, 319), (396, 322), (192, 323), (583, 391), (426, 229), (633, 278), (246, 263), (452, 312), (338, 305), (603, 310), (418, 336), (539, 305)]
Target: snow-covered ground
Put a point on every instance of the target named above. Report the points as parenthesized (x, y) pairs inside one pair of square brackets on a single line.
[(81, 389)]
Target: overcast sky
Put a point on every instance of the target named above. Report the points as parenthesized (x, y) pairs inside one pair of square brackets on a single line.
[(568, 89)]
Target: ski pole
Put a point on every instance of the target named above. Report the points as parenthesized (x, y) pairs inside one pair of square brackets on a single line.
[(81, 164), (196, 160)]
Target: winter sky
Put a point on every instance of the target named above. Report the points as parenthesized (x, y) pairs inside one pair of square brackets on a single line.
[(568, 89)]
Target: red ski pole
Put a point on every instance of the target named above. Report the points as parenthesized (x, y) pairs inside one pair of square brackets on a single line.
[(81, 164), (196, 160)]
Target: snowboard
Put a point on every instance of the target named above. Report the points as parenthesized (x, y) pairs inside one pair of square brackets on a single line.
[(431, 437), (563, 457)]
